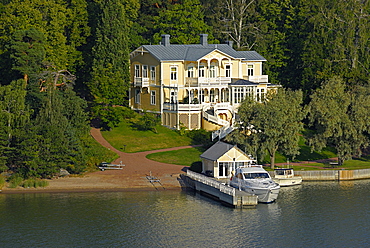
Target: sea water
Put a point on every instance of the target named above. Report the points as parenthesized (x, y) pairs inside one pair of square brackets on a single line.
[(314, 214)]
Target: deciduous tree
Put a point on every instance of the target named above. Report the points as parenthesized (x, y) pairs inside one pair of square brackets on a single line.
[(271, 125), (339, 118)]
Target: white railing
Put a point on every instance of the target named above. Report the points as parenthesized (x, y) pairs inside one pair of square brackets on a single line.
[(203, 82), (141, 82), (223, 105), (215, 119), (222, 132), (259, 79), (211, 182), (186, 107)]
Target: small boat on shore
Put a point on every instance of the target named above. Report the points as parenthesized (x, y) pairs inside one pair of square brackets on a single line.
[(107, 166), (286, 177), (253, 179)]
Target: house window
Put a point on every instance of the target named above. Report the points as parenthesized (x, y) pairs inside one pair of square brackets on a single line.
[(223, 169), (260, 95), (190, 71), (173, 97), (238, 95), (212, 71), (201, 97), (137, 70), (212, 95), (145, 71), (250, 70), (201, 71), (228, 71), (152, 73), (137, 96), (152, 97), (173, 73)]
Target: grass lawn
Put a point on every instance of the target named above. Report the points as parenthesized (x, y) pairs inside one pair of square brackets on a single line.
[(128, 139), (184, 157)]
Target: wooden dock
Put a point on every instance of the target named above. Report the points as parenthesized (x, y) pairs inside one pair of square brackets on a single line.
[(220, 191)]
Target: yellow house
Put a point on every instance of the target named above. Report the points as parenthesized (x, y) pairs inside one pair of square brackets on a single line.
[(195, 86), (221, 160)]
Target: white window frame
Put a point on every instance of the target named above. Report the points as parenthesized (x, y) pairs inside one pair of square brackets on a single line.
[(152, 97), (250, 70), (137, 71), (228, 71), (145, 71), (201, 71), (137, 96), (173, 73), (190, 71), (212, 71), (173, 95), (238, 95), (152, 73)]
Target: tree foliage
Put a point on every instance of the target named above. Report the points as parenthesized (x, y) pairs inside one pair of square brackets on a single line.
[(272, 125), (110, 68), (340, 118), (184, 21)]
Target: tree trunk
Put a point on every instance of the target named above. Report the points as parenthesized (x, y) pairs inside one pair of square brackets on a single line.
[(272, 160)]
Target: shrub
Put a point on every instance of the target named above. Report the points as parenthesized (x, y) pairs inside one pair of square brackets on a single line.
[(15, 180), (29, 183), (34, 183), (42, 183)]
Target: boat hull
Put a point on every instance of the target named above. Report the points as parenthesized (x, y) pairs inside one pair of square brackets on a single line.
[(264, 195), (284, 182)]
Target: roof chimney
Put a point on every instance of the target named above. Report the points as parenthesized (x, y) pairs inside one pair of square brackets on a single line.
[(204, 39), (165, 40), (230, 43)]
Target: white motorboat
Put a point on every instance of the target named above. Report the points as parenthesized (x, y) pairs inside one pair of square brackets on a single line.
[(286, 177), (253, 179)]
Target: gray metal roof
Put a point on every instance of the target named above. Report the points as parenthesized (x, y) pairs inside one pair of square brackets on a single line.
[(217, 150), (197, 51), (242, 82), (251, 56)]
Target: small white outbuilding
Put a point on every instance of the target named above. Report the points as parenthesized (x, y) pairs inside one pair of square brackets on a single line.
[(221, 160)]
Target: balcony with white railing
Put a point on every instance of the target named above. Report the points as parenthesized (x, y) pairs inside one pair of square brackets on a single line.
[(190, 107), (141, 82), (207, 82), (259, 79)]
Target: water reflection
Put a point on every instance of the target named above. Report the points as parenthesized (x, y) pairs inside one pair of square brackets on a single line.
[(332, 214)]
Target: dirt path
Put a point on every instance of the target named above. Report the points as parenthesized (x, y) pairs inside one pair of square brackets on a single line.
[(131, 177)]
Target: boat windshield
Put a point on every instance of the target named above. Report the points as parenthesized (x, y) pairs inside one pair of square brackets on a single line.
[(256, 175)]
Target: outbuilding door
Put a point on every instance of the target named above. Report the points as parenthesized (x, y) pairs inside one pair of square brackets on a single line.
[(223, 169)]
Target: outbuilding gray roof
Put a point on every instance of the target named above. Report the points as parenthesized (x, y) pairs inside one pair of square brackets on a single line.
[(217, 150), (197, 51)]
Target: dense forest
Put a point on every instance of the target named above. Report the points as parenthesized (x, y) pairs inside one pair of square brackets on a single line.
[(65, 63)]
